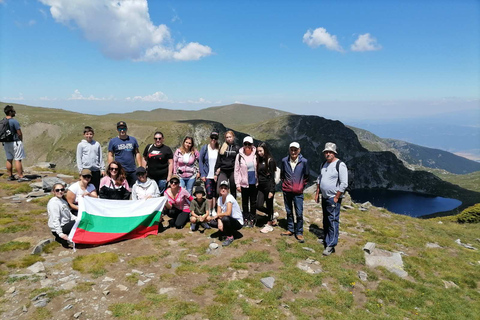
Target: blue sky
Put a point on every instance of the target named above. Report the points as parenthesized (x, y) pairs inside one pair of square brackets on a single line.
[(338, 59)]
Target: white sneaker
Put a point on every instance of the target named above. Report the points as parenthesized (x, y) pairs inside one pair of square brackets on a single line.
[(268, 228), (275, 215)]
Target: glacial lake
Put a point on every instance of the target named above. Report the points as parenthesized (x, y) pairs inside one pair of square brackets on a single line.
[(406, 203)]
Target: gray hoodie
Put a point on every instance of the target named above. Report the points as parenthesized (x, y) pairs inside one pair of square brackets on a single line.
[(89, 156)]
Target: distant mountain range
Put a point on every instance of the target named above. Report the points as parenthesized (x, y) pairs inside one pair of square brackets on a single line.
[(53, 134)]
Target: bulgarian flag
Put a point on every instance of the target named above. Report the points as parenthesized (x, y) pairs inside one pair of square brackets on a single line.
[(102, 221)]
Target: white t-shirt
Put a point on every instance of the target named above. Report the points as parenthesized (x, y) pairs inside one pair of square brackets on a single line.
[(212, 160), (75, 188), (236, 212)]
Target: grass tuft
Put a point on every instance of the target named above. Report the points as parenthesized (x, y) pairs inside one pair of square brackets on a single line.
[(94, 263)]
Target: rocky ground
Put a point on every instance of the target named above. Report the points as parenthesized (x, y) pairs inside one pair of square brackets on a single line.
[(182, 274)]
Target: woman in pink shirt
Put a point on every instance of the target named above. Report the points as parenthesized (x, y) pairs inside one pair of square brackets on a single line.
[(185, 164), (178, 203)]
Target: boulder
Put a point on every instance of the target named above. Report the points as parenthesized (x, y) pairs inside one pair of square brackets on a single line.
[(392, 261), (48, 182), (268, 282)]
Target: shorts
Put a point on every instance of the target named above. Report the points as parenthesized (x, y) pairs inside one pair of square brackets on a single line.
[(210, 188), (14, 150)]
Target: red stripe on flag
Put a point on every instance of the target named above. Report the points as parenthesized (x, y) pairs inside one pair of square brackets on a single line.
[(86, 237)]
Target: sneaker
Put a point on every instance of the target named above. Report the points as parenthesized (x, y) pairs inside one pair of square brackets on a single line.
[(300, 238), (246, 223), (206, 225), (275, 215), (252, 223), (228, 241), (11, 178), (23, 179), (193, 226), (328, 251), (266, 229), (287, 233)]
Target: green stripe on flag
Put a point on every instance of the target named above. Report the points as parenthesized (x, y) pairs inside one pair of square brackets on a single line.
[(93, 223)]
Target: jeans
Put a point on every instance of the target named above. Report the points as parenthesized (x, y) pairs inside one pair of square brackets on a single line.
[(162, 186), (293, 200), (188, 183), (249, 197), (331, 221)]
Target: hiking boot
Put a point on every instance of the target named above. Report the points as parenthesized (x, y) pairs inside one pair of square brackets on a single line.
[(266, 229), (287, 233), (328, 251), (11, 178), (300, 238), (228, 241), (23, 179), (205, 225), (193, 226)]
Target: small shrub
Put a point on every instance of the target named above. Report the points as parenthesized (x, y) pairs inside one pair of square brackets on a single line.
[(94, 263), (143, 261), (25, 261), (470, 215)]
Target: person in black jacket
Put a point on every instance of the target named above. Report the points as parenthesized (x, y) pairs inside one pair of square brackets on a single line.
[(226, 162), (266, 168)]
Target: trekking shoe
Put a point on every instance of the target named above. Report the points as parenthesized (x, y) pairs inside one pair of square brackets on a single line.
[(193, 226), (11, 178), (23, 179), (228, 241), (287, 233), (268, 228), (328, 251), (300, 238), (205, 225)]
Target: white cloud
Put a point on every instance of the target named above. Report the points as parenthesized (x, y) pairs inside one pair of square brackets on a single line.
[(156, 97), (365, 42), (123, 29), (31, 22), (19, 98), (76, 95), (47, 99), (175, 16), (198, 101), (320, 37)]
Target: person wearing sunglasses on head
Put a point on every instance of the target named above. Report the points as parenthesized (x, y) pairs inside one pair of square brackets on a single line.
[(208, 158), (246, 180), (81, 188), (60, 218), (124, 149), (158, 159), (114, 185), (178, 203)]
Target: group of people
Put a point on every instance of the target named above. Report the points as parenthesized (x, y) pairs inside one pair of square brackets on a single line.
[(223, 170)]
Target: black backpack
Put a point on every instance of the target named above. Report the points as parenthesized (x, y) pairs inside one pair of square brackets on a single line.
[(6, 133)]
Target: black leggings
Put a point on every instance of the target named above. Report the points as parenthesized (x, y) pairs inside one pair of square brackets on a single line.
[(229, 225), (249, 197), (178, 216), (66, 230), (262, 197), (231, 181)]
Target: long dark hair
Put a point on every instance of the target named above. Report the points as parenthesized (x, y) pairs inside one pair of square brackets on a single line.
[(121, 176), (267, 157)]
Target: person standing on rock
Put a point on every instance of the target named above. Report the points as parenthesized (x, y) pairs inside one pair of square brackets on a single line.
[(332, 183), (89, 156), (124, 149), (294, 174), (14, 146)]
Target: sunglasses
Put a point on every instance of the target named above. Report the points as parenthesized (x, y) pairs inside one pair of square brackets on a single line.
[(214, 137), (122, 129), (157, 138), (141, 174), (60, 190), (174, 182), (247, 144), (113, 169), (87, 176), (223, 187)]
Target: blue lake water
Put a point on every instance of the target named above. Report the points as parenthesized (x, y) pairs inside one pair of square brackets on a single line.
[(407, 203)]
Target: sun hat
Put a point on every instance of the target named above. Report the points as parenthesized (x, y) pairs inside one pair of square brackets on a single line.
[(295, 145), (330, 146), (199, 189)]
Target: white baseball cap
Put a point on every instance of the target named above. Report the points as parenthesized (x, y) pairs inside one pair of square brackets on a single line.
[(295, 145)]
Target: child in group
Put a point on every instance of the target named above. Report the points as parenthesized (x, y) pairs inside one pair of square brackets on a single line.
[(199, 209)]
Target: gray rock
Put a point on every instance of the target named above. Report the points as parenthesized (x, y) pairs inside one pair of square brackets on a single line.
[(67, 307), (24, 309), (347, 207), (46, 165), (11, 290), (137, 271), (108, 279), (106, 292), (39, 296), (37, 194), (213, 246), (36, 267), (392, 261), (369, 247), (36, 185), (175, 265), (166, 290), (465, 245), (121, 287), (108, 313), (69, 285), (432, 245), (39, 247), (64, 176), (309, 249), (48, 182), (362, 275), (41, 303), (268, 282), (77, 315), (46, 283), (449, 284), (140, 283), (363, 209), (308, 267), (366, 204)]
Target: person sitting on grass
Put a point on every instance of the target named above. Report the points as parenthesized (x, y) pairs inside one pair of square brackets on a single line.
[(178, 203), (60, 218), (114, 185), (199, 209), (229, 216), (81, 188), (145, 187)]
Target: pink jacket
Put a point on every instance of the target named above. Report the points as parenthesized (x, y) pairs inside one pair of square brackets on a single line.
[(188, 169), (241, 170), (181, 201)]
